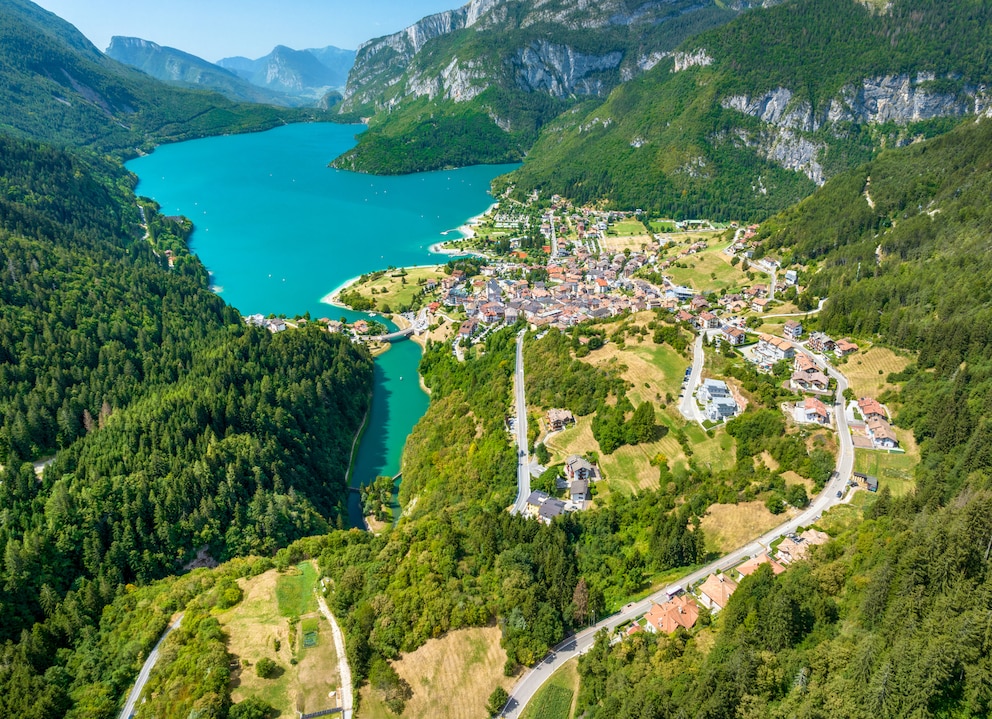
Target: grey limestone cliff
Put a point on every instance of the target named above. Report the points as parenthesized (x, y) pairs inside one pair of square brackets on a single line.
[(791, 124)]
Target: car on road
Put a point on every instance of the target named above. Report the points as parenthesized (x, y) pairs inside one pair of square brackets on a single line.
[(839, 494)]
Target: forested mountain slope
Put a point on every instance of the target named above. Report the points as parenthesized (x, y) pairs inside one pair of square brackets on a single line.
[(760, 111), (477, 84), (177, 427), (890, 619), (59, 88)]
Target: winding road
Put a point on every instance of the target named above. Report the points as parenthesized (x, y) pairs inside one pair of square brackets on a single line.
[(139, 685), (578, 644), (523, 461)]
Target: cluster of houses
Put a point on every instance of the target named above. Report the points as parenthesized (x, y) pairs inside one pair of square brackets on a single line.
[(682, 609), (717, 400), (876, 424), (579, 473), (822, 343), (272, 324), (583, 284)]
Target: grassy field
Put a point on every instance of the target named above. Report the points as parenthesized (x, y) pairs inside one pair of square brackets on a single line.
[(628, 469), (258, 625), (729, 526), (556, 699), (294, 590), (868, 369), (451, 677), (619, 243), (391, 290), (709, 270), (654, 371), (893, 470)]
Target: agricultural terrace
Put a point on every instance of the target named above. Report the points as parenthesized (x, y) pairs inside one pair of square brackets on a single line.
[(868, 370), (450, 678), (278, 620)]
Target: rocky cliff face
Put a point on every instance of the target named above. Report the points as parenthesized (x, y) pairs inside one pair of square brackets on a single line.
[(527, 54), (899, 99), (560, 71)]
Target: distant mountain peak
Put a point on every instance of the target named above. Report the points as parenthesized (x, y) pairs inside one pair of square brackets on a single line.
[(310, 73)]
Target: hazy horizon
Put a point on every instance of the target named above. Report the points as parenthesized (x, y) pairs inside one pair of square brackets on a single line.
[(251, 28)]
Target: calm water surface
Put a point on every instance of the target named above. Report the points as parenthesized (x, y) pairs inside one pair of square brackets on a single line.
[(279, 231)]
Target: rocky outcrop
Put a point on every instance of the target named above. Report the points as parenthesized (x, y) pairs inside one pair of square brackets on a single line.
[(893, 98), (899, 99), (561, 71), (685, 60), (458, 82), (538, 62)]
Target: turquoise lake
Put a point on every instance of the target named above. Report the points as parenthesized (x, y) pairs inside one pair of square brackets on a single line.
[(279, 230)]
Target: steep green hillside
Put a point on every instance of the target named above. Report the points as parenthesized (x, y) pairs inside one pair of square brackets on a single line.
[(57, 87), (890, 619), (477, 84), (749, 117), (177, 427)]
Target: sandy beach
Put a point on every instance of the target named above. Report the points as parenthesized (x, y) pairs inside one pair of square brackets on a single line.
[(467, 232)]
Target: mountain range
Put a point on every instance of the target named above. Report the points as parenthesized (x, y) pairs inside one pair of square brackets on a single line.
[(311, 74), (286, 77), (685, 109), (176, 67), (57, 87), (478, 83)]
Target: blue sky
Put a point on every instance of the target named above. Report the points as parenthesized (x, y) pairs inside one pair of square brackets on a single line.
[(214, 29)]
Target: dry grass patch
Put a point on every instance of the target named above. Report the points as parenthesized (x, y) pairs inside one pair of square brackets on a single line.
[(451, 677), (709, 270), (653, 370), (255, 626), (729, 526), (868, 370), (619, 243), (574, 440), (766, 459), (791, 477)]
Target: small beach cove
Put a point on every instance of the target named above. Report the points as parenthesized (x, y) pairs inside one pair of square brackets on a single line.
[(280, 231)]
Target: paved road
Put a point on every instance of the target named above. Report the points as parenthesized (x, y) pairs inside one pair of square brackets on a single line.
[(523, 463), (139, 685), (688, 407), (528, 685), (799, 314), (554, 238), (344, 671)]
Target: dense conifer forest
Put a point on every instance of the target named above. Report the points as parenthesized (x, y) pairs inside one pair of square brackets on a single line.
[(174, 427)]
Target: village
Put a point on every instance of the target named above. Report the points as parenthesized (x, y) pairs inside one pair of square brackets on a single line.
[(595, 266)]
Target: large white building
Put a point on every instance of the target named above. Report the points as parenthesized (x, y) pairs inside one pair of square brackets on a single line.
[(718, 402)]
